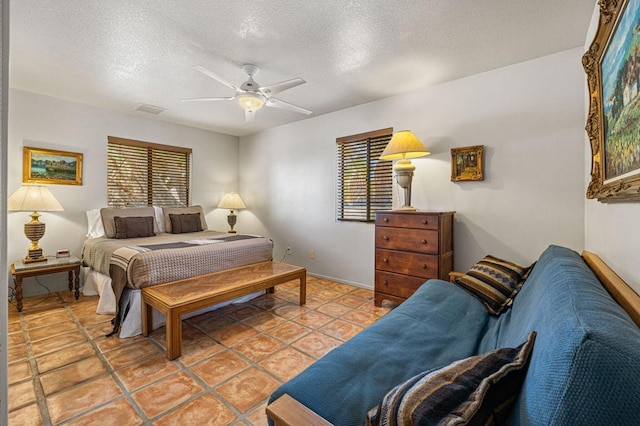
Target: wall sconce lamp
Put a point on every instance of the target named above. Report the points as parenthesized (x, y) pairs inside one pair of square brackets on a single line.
[(402, 146), (232, 201), (30, 198)]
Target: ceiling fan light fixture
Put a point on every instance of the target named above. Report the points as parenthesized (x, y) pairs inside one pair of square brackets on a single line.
[(251, 101), (250, 95)]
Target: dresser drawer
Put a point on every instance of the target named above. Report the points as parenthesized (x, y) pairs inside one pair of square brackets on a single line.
[(418, 265), (397, 285), (418, 240), (416, 221)]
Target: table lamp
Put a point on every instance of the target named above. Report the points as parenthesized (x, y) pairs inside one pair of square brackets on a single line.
[(232, 201), (402, 146), (31, 198)]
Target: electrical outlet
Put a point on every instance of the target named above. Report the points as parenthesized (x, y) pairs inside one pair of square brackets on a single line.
[(312, 254), (288, 250)]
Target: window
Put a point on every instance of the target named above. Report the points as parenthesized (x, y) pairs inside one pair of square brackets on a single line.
[(145, 174), (365, 183)]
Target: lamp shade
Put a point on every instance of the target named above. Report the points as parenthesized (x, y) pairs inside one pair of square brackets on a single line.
[(404, 144), (232, 201), (251, 101), (33, 198)]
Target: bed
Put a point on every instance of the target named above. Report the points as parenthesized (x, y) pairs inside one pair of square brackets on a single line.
[(140, 247)]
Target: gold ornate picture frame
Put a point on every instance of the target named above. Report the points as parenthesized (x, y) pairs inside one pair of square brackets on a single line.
[(466, 163), (612, 65), (49, 166)]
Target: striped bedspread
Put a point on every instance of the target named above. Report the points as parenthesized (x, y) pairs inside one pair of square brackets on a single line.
[(141, 262), (147, 262), (122, 256)]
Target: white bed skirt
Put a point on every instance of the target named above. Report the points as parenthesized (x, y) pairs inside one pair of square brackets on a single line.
[(96, 283)]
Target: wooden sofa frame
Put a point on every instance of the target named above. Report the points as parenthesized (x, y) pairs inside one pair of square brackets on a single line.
[(286, 411)]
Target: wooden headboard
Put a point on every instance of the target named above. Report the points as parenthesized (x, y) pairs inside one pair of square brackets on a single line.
[(619, 290)]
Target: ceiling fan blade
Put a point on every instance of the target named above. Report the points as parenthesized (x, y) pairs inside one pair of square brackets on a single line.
[(215, 76), (207, 99), (249, 114), (277, 103), (272, 89)]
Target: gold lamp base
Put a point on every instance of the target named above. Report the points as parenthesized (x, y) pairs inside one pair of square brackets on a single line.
[(231, 220), (34, 256), (34, 231)]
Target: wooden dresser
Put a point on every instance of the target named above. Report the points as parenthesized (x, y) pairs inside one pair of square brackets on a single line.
[(411, 247)]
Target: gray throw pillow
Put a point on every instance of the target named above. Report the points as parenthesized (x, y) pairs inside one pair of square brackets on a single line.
[(133, 226), (181, 223)]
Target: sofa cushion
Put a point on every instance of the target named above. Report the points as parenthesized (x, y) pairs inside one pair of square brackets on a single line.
[(495, 282), (439, 324), (584, 367), (472, 391)]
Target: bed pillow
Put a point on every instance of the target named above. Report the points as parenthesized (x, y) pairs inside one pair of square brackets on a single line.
[(181, 223), (476, 390), (183, 210), (157, 213), (109, 213), (134, 226), (94, 224), (495, 282)]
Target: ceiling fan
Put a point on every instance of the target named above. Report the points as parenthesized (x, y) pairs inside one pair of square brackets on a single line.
[(251, 95)]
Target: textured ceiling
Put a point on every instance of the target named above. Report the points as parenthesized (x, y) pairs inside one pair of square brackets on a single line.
[(117, 54)]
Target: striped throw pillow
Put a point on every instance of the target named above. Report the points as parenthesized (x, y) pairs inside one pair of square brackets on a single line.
[(476, 390), (495, 282)]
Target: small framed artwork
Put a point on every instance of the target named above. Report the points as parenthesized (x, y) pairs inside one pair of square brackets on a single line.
[(51, 167), (466, 163)]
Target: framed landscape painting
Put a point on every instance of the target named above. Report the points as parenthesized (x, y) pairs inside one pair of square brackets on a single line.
[(612, 65), (51, 167)]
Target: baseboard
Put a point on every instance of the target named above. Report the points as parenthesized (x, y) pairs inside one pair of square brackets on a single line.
[(338, 280)]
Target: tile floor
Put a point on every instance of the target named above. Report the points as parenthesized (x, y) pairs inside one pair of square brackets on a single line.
[(63, 370)]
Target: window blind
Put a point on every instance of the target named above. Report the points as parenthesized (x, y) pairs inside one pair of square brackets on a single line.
[(145, 174), (364, 182)]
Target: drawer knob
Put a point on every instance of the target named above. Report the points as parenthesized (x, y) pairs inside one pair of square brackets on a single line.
[(424, 266), (385, 260), (425, 221), (386, 219), (424, 241), (386, 282), (385, 238)]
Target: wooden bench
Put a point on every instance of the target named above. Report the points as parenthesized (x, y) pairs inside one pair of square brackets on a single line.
[(180, 297)]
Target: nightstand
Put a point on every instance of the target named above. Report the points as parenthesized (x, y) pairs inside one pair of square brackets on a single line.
[(53, 265), (411, 248)]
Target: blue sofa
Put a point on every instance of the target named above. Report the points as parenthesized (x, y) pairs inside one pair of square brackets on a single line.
[(584, 369)]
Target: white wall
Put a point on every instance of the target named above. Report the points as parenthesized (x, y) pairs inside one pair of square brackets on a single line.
[(46, 122), (611, 230), (530, 118)]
